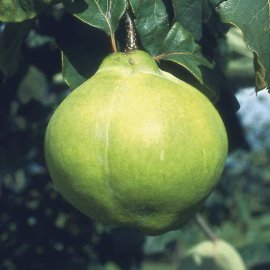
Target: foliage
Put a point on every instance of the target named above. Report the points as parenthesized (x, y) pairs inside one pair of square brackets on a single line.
[(18, 11), (38, 230), (253, 20)]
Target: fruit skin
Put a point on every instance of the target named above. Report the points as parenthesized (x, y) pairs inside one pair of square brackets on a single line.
[(135, 146)]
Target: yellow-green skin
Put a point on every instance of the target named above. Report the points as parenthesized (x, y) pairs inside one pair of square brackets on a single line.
[(135, 146)]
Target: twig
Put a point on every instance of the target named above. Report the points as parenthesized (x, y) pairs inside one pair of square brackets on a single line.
[(205, 227)]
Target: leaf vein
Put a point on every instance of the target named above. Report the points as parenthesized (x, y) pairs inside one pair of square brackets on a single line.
[(104, 15), (256, 14)]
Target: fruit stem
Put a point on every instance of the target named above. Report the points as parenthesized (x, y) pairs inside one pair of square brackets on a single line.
[(114, 48), (131, 42), (205, 227)]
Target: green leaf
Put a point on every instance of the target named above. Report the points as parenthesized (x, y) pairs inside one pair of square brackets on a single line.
[(223, 254), (134, 4), (215, 3), (156, 266), (21, 10), (252, 17), (158, 244), (33, 86), (151, 21), (82, 52), (78, 66), (10, 46), (70, 74), (191, 15), (256, 254), (111, 266), (102, 14), (180, 47)]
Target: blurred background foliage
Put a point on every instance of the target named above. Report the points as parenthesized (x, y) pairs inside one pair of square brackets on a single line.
[(39, 230)]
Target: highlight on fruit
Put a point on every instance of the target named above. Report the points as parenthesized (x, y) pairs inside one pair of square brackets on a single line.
[(135, 146)]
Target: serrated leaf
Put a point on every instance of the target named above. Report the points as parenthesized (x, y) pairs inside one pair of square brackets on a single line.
[(21, 10), (180, 47), (152, 25), (102, 14), (224, 255), (252, 17), (10, 46)]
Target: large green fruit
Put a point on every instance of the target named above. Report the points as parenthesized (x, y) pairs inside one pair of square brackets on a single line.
[(135, 146)]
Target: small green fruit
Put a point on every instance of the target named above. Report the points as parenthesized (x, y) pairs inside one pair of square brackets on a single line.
[(135, 146)]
